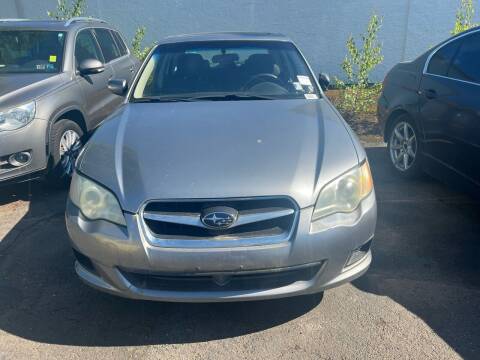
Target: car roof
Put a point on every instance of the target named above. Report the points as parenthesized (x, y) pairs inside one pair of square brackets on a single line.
[(225, 36), (52, 25), (451, 38), (471, 30)]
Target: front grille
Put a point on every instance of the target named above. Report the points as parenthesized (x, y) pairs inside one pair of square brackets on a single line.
[(258, 218), (223, 281)]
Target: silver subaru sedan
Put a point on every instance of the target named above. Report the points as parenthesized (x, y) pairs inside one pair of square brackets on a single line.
[(227, 175)]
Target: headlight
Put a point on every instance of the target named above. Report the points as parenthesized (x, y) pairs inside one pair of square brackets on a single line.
[(94, 201), (17, 117), (344, 194)]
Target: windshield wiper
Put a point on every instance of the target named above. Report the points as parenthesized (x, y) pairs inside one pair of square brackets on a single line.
[(160, 99), (232, 96), (211, 97)]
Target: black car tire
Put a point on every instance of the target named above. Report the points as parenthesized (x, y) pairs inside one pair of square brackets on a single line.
[(413, 169), (59, 175)]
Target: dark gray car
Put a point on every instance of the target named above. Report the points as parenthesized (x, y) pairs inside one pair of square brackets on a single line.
[(53, 91), (227, 176), (430, 112)]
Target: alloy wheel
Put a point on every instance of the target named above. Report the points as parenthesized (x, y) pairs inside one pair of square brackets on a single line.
[(70, 146), (403, 146)]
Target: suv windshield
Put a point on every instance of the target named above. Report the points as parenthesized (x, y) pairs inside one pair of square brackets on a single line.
[(225, 70), (27, 51)]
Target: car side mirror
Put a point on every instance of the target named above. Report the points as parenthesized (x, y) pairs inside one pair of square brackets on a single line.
[(118, 86), (91, 66), (324, 81)]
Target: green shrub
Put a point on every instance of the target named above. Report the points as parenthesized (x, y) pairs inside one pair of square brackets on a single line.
[(464, 17), (66, 11), (358, 95), (138, 51)]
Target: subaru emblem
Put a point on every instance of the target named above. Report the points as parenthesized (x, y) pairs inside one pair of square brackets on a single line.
[(220, 217)]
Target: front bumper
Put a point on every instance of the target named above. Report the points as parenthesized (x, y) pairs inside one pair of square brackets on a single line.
[(31, 138), (112, 253)]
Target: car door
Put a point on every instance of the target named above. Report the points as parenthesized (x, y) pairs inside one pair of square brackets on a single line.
[(98, 99), (127, 64), (118, 59), (450, 106)]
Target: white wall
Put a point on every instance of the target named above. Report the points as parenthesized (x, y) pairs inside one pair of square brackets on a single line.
[(319, 27)]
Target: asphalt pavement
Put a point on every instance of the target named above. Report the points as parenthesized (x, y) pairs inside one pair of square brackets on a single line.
[(420, 298)]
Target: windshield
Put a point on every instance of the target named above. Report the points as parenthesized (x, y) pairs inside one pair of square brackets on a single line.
[(225, 70), (28, 51)]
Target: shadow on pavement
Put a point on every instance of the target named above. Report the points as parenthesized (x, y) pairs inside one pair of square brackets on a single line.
[(43, 300), (427, 255), (426, 258)]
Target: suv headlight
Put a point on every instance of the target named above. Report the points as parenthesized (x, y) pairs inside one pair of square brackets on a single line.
[(15, 118), (344, 194), (94, 201)]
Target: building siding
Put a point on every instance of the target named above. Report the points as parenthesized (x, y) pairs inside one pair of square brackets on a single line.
[(319, 27)]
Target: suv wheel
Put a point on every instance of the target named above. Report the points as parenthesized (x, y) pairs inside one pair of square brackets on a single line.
[(66, 141), (404, 147)]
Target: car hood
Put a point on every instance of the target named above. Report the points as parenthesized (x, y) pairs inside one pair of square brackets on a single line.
[(16, 89), (219, 149)]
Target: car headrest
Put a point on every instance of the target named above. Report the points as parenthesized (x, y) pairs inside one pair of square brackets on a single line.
[(190, 63), (260, 64)]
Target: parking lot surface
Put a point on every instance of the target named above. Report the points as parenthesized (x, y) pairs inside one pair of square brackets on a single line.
[(420, 299)]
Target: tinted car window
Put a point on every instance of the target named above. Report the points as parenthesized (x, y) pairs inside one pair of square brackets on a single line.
[(466, 64), (86, 47), (440, 62), (120, 43), (107, 43), (33, 51)]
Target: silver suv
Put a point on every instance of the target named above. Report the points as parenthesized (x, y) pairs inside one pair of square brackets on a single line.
[(54, 91)]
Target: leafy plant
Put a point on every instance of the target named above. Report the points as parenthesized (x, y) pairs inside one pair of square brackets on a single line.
[(358, 96), (137, 49), (464, 17), (66, 11)]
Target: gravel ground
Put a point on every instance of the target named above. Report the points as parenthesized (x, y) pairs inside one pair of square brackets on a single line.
[(420, 299)]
